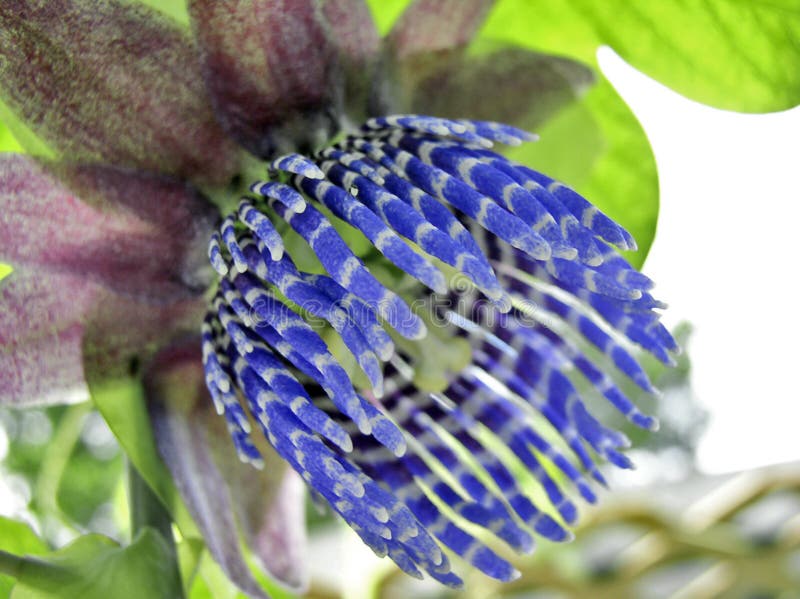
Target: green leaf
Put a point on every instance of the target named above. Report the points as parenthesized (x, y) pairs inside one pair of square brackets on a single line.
[(174, 8), (121, 402), (386, 12), (569, 146), (624, 181), (16, 136), (17, 537), (189, 553), (8, 143), (95, 567), (734, 54), (598, 147), (211, 582)]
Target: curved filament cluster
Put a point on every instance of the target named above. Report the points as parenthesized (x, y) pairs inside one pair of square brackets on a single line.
[(519, 268)]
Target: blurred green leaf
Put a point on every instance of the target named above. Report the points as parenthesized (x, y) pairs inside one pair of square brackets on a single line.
[(569, 146), (121, 403), (733, 54), (385, 12), (8, 143), (624, 180), (15, 136), (190, 551), (18, 538), (595, 145), (212, 582), (174, 8), (94, 567)]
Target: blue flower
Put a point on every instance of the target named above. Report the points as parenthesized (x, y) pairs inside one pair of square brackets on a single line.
[(453, 302)]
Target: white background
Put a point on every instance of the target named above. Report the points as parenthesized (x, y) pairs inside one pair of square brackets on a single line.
[(726, 259)]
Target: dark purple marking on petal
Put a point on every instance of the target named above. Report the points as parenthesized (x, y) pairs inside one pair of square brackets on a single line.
[(112, 82)]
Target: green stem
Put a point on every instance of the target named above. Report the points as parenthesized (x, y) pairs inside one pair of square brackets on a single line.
[(146, 508), (16, 566), (11, 564), (147, 511), (56, 458)]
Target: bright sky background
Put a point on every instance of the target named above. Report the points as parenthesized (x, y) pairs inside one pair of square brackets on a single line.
[(725, 258)]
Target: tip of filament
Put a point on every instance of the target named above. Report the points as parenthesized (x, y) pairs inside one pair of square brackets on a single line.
[(564, 252), (276, 253), (400, 450), (345, 444), (364, 425)]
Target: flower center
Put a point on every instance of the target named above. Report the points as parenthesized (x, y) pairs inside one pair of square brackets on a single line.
[(438, 285)]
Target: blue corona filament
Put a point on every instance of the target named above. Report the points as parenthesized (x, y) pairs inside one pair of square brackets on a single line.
[(514, 266)]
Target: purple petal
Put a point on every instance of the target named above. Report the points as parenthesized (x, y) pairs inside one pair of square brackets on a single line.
[(531, 86), (111, 82), (358, 44), (353, 31), (266, 63), (183, 434), (141, 235), (272, 513), (433, 25), (40, 339), (57, 330), (218, 489)]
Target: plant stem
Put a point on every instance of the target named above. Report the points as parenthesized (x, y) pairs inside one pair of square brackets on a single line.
[(147, 511), (146, 508), (11, 564)]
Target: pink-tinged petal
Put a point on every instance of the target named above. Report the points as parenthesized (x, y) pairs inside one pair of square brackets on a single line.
[(41, 334), (271, 510), (280, 540), (269, 67), (139, 234), (184, 432), (358, 45), (57, 330), (223, 494), (352, 30), (112, 82), (433, 25), (528, 87)]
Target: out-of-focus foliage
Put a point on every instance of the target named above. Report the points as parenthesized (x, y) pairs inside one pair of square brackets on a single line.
[(95, 567), (731, 54), (68, 464), (724, 536)]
